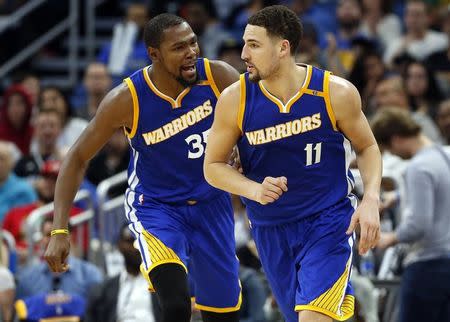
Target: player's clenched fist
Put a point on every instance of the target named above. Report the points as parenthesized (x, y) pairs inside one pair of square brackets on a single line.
[(57, 252), (270, 189)]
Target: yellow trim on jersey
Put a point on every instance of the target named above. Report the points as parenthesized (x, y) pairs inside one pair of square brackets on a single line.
[(70, 318), (210, 77), (175, 103), (241, 109), (326, 91), (314, 92), (21, 309), (347, 309), (221, 309), (135, 108), (286, 108)]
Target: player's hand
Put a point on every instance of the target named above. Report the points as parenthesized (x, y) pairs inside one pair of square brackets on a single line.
[(57, 252), (270, 189), (368, 217)]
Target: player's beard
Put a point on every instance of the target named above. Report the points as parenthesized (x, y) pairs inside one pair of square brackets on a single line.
[(187, 83), (256, 76)]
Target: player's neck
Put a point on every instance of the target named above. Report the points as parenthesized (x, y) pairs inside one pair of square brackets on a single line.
[(165, 82), (287, 81)]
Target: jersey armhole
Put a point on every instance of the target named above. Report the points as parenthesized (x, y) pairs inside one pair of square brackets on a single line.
[(242, 98), (130, 134), (210, 77), (326, 95)]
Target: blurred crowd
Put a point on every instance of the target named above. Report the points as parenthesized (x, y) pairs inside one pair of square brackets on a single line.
[(396, 53)]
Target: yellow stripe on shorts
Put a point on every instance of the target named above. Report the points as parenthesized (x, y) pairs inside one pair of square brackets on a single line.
[(159, 254), (334, 302)]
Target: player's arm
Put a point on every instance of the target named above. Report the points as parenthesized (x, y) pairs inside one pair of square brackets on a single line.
[(223, 73), (222, 138), (115, 111), (350, 119)]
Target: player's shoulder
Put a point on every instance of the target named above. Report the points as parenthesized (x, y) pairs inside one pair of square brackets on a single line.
[(119, 105), (121, 94), (233, 91), (223, 73), (341, 90)]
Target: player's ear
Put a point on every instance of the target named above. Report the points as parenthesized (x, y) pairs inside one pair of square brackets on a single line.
[(284, 48), (153, 53)]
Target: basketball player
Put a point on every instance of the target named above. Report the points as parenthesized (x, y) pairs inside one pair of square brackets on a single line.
[(294, 125), (182, 225)]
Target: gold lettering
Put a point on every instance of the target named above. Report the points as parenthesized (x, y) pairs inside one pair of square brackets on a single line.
[(281, 131), (190, 118), (159, 135), (168, 130), (207, 107), (271, 134), (199, 113), (177, 126), (149, 138), (251, 137), (317, 122), (261, 138), (306, 123), (296, 127)]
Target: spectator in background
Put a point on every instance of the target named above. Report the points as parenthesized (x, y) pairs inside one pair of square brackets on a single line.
[(419, 41), (317, 13), (54, 98), (7, 293), (14, 191), (209, 31), (124, 297), (391, 92), (310, 53), (230, 52), (15, 118), (425, 286), (36, 278), (379, 23), (45, 188), (443, 120), (112, 159), (340, 56), (126, 52), (366, 73), (48, 127), (421, 88), (237, 20), (97, 82), (439, 62), (254, 295), (32, 85)]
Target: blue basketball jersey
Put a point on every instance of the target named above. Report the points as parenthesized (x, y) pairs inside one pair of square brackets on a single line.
[(168, 138), (298, 140)]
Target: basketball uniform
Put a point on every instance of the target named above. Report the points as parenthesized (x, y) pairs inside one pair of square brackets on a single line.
[(176, 216), (301, 237)]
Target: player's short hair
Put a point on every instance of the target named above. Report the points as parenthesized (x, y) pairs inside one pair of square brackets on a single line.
[(153, 31), (393, 121), (279, 21)]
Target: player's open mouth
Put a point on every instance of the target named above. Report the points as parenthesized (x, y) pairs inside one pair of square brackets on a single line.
[(189, 71)]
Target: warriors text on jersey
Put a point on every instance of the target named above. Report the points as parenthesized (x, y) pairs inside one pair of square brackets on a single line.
[(298, 140), (168, 138)]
